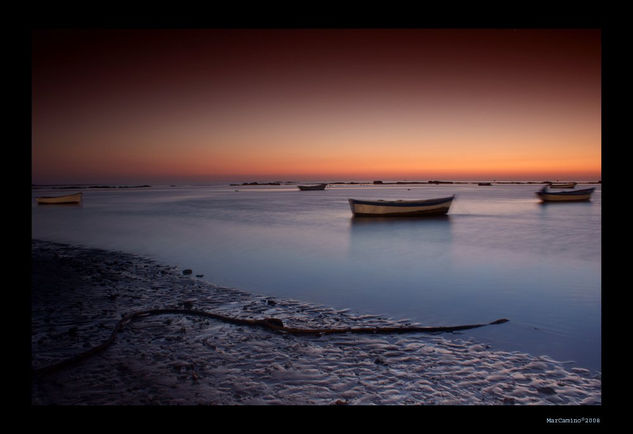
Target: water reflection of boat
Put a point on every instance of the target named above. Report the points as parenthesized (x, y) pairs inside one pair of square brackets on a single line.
[(564, 196), (399, 238), (312, 187), (395, 221), (65, 199), (400, 208), (562, 184)]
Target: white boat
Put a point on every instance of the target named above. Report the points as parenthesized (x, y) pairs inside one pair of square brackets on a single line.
[(384, 208), (565, 196), (68, 198)]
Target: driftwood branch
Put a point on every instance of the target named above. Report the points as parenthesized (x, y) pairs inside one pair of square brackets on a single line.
[(273, 324)]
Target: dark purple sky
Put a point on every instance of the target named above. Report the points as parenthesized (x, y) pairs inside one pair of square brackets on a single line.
[(166, 105)]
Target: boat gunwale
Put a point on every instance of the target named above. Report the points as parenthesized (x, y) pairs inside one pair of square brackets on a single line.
[(562, 184), (65, 199), (403, 203), (568, 192)]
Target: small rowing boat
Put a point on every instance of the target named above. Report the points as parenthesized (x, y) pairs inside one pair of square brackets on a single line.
[(385, 208), (565, 196), (68, 198), (312, 187)]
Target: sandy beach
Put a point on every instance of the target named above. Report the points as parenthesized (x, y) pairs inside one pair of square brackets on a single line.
[(79, 295)]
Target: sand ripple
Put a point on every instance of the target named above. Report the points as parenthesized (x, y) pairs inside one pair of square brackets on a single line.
[(79, 294)]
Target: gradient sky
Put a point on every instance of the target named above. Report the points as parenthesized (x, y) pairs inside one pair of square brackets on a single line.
[(163, 106)]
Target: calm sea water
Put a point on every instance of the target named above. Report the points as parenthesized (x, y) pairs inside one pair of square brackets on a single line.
[(499, 253)]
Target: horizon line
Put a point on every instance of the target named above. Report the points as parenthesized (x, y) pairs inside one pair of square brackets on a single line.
[(256, 180)]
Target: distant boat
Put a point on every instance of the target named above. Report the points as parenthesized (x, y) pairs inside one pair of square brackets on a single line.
[(484, 183), (69, 198), (565, 196), (384, 208), (562, 184), (312, 187)]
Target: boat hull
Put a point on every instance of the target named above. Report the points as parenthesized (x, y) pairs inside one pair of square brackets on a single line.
[(312, 187), (55, 200), (401, 208), (568, 196)]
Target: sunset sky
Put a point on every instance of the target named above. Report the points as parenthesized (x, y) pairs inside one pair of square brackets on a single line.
[(168, 106)]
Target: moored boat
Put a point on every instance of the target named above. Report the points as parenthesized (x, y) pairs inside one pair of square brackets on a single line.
[(312, 187), (565, 196), (385, 208), (68, 198)]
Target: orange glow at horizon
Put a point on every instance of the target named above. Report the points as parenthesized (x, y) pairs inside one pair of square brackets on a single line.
[(335, 103)]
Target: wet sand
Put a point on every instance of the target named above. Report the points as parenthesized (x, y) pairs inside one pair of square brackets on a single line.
[(79, 294)]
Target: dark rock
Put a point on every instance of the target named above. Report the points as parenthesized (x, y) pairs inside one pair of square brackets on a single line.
[(546, 390), (187, 271), (199, 275), (271, 302)]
